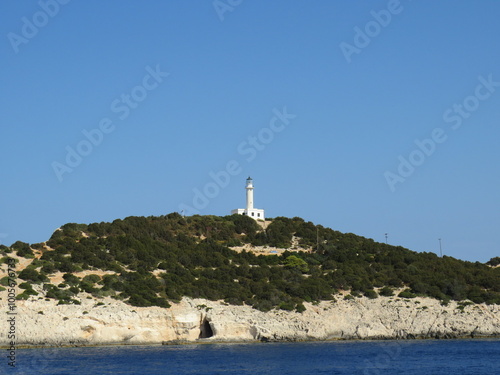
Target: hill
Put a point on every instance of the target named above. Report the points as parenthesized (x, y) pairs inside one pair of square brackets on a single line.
[(155, 261)]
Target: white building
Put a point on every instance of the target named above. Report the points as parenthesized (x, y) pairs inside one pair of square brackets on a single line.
[(254, 213)]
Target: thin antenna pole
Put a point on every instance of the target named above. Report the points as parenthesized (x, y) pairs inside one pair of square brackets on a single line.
[(440, 248), (386, 238)]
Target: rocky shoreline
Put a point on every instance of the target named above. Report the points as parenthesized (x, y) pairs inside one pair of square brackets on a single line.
[(112, 322)]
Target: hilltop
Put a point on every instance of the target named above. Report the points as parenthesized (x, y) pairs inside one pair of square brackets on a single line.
[(280, 264), (152, 280)]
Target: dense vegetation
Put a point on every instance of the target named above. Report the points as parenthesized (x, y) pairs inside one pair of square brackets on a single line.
[(154, 260)]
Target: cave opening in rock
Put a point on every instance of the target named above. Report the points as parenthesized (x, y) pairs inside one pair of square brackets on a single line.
[(205, 330)]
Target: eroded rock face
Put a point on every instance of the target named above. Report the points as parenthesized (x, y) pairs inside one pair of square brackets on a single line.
[(40, 322)]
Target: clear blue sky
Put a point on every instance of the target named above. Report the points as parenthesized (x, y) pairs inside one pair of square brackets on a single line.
[(421, 70)]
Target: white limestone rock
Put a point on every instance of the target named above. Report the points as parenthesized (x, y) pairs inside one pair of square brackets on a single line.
[(193, 319)]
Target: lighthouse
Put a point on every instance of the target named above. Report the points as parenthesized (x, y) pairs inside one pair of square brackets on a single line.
[(249, 189), (254, 213)]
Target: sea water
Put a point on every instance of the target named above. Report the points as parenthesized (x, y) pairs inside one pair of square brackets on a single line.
[(339, 357)]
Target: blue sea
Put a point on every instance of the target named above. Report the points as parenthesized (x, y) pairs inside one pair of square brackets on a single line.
[(340, 357)]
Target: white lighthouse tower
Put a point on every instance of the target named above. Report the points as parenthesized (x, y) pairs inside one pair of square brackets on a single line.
[(254, 213), (249, 189)]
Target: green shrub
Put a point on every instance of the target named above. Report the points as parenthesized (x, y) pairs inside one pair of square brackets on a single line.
[(71, 279), (139, 301), (30, 274), (370, 294), (244, 224), (87, 287), (300, 308), (294, 262), (48, 268), (233, 242), (23, 249), (69, 301), (92, 278), (25, 285), (386, 291), (494, 261), (263, 305), (22, 296), (288, 306), (406, 294), (4, 281), (30, 292)]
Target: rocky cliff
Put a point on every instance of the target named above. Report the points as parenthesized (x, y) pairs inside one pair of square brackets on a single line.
[(41, 322)]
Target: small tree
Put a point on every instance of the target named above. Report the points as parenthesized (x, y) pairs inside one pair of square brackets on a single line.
[(294, 262), (29, 274), (386, 291), (371, 294), (406, 294), (23, 249), (71, 279), (493, 262)]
